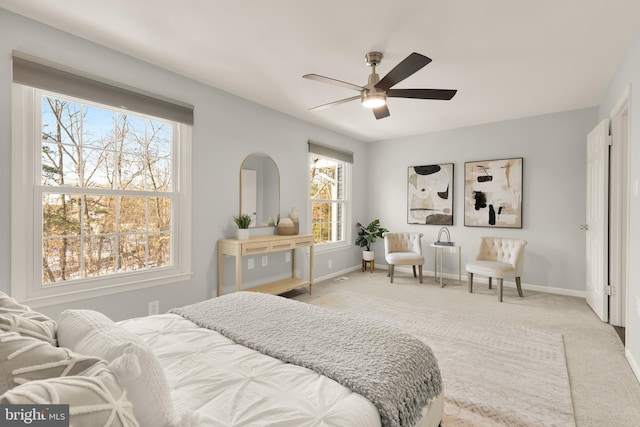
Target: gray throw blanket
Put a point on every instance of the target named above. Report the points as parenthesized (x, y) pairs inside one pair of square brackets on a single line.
[(397, 372)]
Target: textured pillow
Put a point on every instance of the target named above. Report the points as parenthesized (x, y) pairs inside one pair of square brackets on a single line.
[(93, 333), (95, 399), (15, 317), (24, 359)]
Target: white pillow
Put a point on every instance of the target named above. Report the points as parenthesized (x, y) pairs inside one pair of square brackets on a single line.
[(95, 399), (92, 333)]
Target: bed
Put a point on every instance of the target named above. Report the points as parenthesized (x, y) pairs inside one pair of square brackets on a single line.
[(180, 373)]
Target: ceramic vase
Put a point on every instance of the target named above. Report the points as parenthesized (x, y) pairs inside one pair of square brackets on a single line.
[(368, 255), (243, 234)]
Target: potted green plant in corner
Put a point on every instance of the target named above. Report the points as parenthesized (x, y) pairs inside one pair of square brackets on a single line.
[(367, 236), (243, 221)]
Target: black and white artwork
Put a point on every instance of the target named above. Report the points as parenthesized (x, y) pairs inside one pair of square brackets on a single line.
[(493, 193), (430, 194)]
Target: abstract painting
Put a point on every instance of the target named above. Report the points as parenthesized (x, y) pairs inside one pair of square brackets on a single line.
[(430, 194), (493, 193)]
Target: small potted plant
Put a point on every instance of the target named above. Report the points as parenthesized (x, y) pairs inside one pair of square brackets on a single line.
[(367, 236), (243, 221)]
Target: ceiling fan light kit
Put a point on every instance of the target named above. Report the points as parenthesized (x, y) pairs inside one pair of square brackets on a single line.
[(373, 100), (374, 94)]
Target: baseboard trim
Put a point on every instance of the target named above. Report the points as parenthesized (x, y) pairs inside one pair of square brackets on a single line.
[(632, 362), (485, 280)]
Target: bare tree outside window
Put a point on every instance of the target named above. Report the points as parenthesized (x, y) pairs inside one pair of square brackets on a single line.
[(104, 174), (327, 199)]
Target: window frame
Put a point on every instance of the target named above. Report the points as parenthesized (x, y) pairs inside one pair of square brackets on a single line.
[(346, 203), (26, 207)]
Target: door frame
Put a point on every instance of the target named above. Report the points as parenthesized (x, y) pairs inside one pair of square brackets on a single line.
[(597, 219), (249, 194), (619, 193)]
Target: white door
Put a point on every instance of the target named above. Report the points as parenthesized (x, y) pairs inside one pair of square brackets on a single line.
[(597, 219), (250, 194)]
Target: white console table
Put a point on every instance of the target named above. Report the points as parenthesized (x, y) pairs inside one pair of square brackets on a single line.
[(452, 248), (260, 245)]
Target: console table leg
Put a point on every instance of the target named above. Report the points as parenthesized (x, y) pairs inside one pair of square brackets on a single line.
[(220, 272), (238, 272), (310, 268)]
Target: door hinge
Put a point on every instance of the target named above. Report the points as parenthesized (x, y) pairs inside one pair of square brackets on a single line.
[(610, 140), (607, 290)]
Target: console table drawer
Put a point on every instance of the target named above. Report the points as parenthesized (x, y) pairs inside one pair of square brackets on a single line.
[(303, 241), (282, 245), (255, 248)]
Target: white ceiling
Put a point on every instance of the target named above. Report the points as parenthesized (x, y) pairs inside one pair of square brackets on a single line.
[(507, 58)]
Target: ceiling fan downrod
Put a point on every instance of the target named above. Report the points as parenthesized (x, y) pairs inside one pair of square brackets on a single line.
[(372, 97)]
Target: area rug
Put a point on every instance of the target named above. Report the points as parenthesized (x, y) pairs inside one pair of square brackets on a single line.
[(494, 373)]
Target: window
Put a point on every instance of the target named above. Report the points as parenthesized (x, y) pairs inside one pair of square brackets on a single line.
[(106, 191), (329, 192), (109, 204)]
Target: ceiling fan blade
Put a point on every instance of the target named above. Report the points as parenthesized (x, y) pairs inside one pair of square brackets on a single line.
[(442, 94), (404, 69), (331, 81), (381, 112), (331, 104)]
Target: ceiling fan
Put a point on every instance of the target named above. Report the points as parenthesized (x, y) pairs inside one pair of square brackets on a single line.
[(375, 93)]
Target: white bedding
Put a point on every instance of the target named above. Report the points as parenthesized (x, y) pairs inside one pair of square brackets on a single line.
[(228, 384)]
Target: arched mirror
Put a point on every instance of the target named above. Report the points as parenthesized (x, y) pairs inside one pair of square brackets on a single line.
[(260, 189)]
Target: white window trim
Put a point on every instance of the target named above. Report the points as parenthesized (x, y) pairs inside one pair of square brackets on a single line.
[(26, 269), (319, 248)]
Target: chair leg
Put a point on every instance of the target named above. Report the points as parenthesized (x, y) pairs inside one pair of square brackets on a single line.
[(420, 271), (414, 271), (470, 282), (518, 286), (391, 272), (500, 290), (489, 282)]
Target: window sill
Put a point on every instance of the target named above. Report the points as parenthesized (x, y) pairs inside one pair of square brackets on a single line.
[(62, 297)]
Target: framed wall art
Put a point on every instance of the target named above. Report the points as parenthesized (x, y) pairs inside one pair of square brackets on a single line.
[(430, 194), (493, 193)]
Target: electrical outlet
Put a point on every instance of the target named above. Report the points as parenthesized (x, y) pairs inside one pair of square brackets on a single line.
[(330, 264), (287, 257), (154, 307), (265, 260), (250, 263)]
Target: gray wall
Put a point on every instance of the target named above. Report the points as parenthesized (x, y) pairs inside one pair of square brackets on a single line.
[(629, 73), (227, 128), (554, 169)]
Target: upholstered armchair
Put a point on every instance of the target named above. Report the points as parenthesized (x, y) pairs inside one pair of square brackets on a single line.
[(500, 258), (403, 249)]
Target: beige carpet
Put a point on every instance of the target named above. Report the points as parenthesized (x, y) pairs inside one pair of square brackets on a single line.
[(495, 373)]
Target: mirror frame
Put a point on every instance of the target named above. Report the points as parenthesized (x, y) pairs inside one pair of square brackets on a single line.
[(277, 190)]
